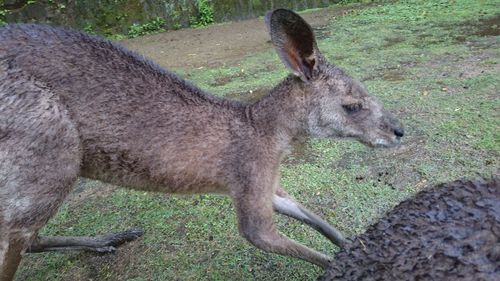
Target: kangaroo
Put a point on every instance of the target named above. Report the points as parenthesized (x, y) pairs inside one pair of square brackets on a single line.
[(75, 105)]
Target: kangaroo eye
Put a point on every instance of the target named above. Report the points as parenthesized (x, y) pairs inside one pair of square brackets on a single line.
[(352, 108)]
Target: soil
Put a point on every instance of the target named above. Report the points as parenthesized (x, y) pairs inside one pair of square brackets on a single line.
[(447, 232), (216, 45)]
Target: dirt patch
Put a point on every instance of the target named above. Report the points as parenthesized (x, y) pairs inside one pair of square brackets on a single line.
[(248, 96), (216, 45), (393, 75), (321, 32), (301, 152), (448, 232), (489, 26), (389, 74), (391, 41), (466, 67), (461, 32), (380, 165), (86, 189), (484, 27)]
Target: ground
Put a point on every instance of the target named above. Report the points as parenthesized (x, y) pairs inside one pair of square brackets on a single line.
[(435, 64)]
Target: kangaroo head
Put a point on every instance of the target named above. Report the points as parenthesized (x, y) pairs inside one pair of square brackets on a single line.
[(337, 105)]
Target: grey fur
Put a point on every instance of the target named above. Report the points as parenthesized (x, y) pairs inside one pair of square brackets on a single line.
[(76, 105)]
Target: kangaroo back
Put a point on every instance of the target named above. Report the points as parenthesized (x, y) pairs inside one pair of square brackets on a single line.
[(138, 124)]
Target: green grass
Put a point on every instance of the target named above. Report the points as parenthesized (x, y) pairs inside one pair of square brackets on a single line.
[(426, 60)]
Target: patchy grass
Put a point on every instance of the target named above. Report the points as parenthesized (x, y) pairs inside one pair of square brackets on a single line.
[(434, 63)]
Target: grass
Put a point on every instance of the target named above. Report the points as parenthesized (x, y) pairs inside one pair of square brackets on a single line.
[(428, 61)]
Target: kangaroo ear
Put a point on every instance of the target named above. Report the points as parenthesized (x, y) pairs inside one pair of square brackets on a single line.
[(294, 41)]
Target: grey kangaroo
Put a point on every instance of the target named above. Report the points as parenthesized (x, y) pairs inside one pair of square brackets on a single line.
[(74, 105)]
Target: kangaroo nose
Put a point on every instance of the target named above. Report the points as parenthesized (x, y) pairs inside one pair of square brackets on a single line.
[(399, 132)]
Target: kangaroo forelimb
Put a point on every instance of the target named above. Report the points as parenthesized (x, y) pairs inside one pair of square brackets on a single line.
[(289, 207)]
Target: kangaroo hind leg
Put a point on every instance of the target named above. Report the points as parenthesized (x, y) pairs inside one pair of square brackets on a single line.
[(12, 246), (101, 243), (39, 162)]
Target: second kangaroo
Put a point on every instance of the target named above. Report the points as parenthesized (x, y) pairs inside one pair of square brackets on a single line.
[(74, 105)]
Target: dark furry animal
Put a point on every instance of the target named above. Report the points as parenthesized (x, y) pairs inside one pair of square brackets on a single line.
[(450, 232), (74, 105)]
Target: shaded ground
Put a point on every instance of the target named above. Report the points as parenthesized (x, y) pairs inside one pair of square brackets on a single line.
[(448, 232), (436, 64)]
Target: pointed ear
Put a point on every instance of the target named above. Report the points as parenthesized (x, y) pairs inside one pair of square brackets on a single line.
[(294, 41)]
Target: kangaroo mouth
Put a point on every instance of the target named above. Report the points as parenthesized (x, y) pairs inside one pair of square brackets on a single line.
[(382, 142)]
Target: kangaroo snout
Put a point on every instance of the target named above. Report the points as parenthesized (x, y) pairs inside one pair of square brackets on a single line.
[(394, 128), (399, 132)]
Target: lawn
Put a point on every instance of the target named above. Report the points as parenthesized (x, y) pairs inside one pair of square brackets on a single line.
[(435, 64)]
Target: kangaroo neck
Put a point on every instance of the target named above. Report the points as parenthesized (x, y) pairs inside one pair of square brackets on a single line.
[(283, 110)]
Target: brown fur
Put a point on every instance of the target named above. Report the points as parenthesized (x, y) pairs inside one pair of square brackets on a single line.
[(75, 105)]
